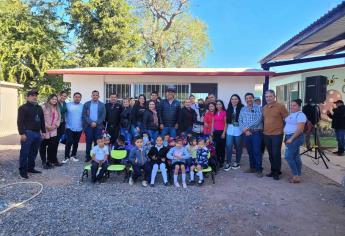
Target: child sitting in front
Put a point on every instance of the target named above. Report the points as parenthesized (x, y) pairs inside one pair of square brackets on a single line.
[(99, 154), (158, 154), (201, 161), (178, 156), (192, 146), (119, 145), (139, 160)]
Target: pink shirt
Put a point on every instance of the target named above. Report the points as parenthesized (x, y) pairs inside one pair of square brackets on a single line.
[(219, 120)]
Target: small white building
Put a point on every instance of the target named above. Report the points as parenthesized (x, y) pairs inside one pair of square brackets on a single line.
[(130, 82), (8, 108)]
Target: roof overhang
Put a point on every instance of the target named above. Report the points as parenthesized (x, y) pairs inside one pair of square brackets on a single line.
[(325, 37), (162, 71)]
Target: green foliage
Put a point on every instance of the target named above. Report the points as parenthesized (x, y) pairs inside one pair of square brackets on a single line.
[(107, 33), (173, 37), (30, 43)]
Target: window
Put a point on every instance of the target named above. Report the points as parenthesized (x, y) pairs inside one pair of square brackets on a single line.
[(182, 90), (122, 90)]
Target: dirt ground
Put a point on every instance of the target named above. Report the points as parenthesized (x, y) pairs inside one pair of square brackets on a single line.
[(238, 204)]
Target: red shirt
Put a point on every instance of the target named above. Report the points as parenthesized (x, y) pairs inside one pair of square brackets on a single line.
[(208, 122)]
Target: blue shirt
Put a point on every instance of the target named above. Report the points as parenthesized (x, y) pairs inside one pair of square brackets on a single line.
[(251, 117), (94, 111), (74, 116)]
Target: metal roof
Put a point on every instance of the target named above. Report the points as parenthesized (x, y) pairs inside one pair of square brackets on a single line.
[(162, 71), (326, 36)]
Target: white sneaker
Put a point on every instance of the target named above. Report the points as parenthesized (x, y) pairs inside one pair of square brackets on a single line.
[(74, 159), (65, 161), (144, 183), (130, 182), (177, 185), (184, 185)]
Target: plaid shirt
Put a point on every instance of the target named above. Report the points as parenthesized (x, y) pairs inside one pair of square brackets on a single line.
[(251, 118)]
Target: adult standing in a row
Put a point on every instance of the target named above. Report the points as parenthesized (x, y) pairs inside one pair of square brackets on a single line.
[(274, 115), (63, 109), (338, 124), (187, 118), (250, 121), (219, 130), (30, 124), (49, 145), (125, 120), (93, 118), (169, 113), (233, 133), (74, 127), (151, 121), (137, 116), (112, 118)]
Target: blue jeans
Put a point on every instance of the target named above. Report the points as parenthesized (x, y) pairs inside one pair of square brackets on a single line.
[(153, 135), (235, 141), (91, 137), (292, 154), (137, 171), (340, 134), (169, 130), (253, 145), (28, 151), (127, 134)]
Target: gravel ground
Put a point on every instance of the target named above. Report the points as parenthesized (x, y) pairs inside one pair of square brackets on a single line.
[(238, 204)]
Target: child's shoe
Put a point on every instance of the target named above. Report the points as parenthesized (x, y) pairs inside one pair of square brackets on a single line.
[(166, 184), (144, 183), (191, 182), (200, 182), (177, 185), (152, 185), (184, 185)]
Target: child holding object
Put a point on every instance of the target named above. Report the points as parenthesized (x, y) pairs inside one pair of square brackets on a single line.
[(139, 161), (178, 156), (158, 154), (201, 161), (99, 154)]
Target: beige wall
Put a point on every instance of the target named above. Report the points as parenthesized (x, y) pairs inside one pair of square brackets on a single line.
[(8, 108), (227, 85)]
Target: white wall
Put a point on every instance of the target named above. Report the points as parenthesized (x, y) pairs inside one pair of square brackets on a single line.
[(227, 85), (8, 108)]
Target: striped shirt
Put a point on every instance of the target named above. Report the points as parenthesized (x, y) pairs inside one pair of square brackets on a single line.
[(251, 117)]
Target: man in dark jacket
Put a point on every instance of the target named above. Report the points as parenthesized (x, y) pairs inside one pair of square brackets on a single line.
[(93, 118), (169, 113), (30, 125), (338, 124), (63, 109), (112, 118), (187, 118)]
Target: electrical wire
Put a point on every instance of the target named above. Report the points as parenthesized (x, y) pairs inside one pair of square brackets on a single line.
[(16, 205)]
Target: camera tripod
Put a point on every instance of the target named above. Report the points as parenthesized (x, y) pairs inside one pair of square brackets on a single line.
[(316, 148)]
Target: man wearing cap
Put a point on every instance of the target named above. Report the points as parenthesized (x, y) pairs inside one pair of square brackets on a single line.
[(169, 113), (30, 124), (338, 124)]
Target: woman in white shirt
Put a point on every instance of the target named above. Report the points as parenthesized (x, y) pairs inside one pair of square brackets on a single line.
[(294, 138)]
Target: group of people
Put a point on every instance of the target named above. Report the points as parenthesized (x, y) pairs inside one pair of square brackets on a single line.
[(162, 134)]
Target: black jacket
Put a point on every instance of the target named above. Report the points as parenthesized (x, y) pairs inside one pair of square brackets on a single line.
[(187, 119), (125, 118), (230, 110), (30, 117), (156, 156), (338, 117), (137, 114), (169, 113), (113, 112), (148, 121)]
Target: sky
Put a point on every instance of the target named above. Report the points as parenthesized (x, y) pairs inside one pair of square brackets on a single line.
[(244, 31)]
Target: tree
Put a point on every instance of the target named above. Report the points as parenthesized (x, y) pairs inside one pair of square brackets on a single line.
[(31, 41), (173, 37), (106, 31)]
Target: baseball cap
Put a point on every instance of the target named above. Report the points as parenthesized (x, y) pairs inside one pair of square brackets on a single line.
[(32, 92), (171, 89)]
